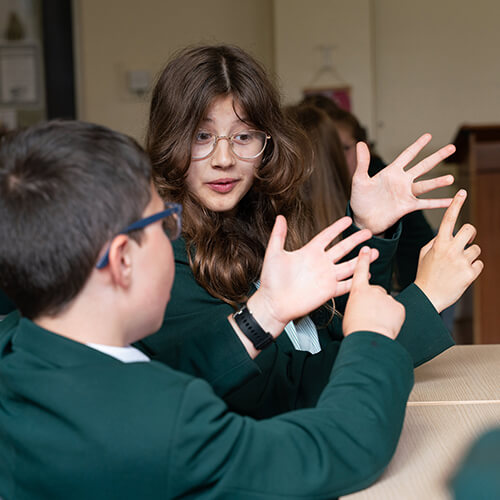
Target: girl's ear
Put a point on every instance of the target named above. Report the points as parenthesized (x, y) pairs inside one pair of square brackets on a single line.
[(120, 261)]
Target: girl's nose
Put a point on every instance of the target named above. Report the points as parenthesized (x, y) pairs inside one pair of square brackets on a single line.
[(223, 156)]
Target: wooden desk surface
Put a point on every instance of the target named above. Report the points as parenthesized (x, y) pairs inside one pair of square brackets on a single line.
[(463, 373), (433, 441)]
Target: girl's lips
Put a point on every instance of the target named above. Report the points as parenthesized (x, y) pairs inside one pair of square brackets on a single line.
[(222, 185)]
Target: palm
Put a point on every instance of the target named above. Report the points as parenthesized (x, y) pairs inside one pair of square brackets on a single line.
[(298, 282), (380, 201)]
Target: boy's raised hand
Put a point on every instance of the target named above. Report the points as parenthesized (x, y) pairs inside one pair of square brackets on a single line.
[(446, 267), (295, 283), (369, 307), (380, 201)]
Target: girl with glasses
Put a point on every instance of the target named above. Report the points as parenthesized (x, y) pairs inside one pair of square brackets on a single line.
[(221, 146)]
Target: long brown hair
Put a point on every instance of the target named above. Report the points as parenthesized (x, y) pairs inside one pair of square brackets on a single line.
[(226, 252), (328, 188)]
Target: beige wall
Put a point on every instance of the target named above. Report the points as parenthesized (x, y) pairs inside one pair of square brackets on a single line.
[(116, 36), (302, 27), (437, 67)]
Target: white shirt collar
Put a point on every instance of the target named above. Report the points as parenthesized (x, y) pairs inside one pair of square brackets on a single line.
[(126, 354)]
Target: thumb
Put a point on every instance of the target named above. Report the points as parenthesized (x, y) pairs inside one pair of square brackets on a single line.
[(427, 247), (363, 159), (278, 236), (362, 269)]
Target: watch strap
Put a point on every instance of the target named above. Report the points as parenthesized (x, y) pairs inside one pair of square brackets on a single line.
[(249, 326)]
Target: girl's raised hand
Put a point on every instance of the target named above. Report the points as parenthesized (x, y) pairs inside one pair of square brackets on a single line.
[(295, 283), (369, 307), (446, 267), (380, 201)]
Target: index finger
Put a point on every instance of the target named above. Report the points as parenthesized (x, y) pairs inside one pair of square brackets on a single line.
[(327, 235), (412, 150), (451, 215), (362, 269)]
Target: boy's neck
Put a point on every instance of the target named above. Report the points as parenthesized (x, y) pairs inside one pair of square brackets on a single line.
[(87, 320)]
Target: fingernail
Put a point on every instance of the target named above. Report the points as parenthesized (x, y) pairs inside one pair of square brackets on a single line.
[(365, 250), (462, 192)]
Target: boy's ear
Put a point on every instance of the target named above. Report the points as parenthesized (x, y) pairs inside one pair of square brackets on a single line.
[(120, 260)]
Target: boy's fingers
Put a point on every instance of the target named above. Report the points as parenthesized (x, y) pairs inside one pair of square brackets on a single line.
[(465, 235), (362, 270), (451, 215), (472, 253), (346, 269), (477, 266)]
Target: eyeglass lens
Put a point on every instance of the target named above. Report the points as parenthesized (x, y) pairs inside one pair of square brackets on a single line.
[(246, 144)]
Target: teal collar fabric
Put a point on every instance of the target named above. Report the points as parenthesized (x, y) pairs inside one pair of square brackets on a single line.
[(56, 349)]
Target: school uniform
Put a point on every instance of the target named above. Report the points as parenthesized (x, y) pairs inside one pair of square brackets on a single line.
[(196, 338), (76, 423)]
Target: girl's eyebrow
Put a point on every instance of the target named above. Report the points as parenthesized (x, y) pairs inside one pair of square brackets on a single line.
[(243, 120)]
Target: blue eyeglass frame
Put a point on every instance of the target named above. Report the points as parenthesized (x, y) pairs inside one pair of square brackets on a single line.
[(170, 209)]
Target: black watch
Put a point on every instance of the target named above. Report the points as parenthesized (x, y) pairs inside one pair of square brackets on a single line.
[(249, 326)]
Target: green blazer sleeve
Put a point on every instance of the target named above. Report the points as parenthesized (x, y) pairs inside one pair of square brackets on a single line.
[(339, 447), (94, 427), (423, 333)]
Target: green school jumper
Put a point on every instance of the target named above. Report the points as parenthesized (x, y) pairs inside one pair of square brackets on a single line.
[(196, 338), (78, 424)]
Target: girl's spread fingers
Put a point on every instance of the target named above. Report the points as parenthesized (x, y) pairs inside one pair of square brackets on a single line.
[(343, 247), (325, 237), (411, 151), (423, 187), (427, 164)]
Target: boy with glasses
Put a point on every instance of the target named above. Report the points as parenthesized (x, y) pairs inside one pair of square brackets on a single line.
[(85, 254)]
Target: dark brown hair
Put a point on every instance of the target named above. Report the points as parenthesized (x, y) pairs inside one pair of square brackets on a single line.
[(66, 188), (328, 188), (226, 252)]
